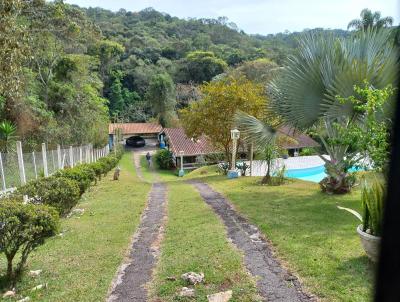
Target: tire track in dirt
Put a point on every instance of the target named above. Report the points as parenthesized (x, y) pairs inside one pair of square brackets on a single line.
[(274, 282), (136, 272)]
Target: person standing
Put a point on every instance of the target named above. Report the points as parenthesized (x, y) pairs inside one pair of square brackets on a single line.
[(148, 158)]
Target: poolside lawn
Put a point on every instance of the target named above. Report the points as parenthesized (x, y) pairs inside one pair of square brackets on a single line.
[(315, 239), (80, 264)]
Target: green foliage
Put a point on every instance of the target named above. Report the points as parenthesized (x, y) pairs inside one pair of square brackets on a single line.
[(243, 167), (305, 93), (269, 153), (163, 159), (24, 228), (373, 195), (279, 176), (370, 19), (83, 174), (372, 136), (161, 96), (7, 136), (59, 192), (223, 168), (202, 66), (308, 152)]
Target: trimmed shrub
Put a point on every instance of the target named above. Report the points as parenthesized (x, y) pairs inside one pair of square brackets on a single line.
[(83, 174), (99, 168), (164, 159), (307, 152), (23, 228), (59, 192)]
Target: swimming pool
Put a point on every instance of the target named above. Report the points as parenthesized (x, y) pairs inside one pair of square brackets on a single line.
[(314, 174)]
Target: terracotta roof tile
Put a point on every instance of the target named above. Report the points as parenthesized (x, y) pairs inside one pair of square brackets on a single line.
[(178, 141), (135, 128), (303, 140)]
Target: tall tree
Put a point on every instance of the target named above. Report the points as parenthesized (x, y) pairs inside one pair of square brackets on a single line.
[(161, 96), (13, 52), (213, 114), (370, 19), (202, 66)]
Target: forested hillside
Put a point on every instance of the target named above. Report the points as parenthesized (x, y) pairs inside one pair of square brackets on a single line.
[(66, 71), (189, 51)]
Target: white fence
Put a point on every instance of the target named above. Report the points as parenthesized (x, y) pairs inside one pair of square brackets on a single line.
[(16, 168)]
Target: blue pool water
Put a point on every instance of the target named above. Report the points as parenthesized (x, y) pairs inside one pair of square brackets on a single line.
[(314, 174)]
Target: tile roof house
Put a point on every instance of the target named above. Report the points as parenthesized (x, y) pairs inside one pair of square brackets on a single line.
[(149, 131), (177, 141), (135, 128)]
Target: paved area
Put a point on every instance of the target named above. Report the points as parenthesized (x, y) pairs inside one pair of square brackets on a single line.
[(273, 281), (136, 272)]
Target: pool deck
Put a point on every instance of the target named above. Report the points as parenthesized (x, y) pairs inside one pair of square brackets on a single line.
[(298, 162)]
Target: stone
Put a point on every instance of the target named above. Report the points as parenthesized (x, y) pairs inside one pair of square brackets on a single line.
[(38, 287), (171, 278), (35, 273), (193, 278), (26, 299), (76, 212), (187, 292), (9, 293), (220, 297)]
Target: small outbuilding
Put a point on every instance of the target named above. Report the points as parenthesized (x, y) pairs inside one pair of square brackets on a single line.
[(149, 131)]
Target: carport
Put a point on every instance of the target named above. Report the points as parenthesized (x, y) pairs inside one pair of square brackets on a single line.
[(149, 131)]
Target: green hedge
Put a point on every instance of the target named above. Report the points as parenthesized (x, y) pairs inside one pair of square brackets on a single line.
[(23, 228), (59, 192)]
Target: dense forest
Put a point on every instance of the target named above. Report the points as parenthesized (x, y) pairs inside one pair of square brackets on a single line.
[(67, 71)]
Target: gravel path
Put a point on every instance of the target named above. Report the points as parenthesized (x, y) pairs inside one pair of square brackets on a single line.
[(273, 281), (136, 272)]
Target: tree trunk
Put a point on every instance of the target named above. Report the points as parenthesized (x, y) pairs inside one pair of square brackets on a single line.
[(267, 178), (10, 273)]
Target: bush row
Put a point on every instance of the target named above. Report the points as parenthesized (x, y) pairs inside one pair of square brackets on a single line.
[(63, 189), (26, 226)]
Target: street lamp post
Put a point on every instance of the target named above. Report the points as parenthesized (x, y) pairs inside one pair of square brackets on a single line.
[(235, 135), (181, 172)]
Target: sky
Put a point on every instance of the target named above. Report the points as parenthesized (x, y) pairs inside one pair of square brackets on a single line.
[(261, 16)]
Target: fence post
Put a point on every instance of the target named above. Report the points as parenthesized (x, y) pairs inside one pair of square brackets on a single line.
[(21, 163), (59, 157), (3, 180), (44, 156), (71, 156), (80, 154), (34, 164)]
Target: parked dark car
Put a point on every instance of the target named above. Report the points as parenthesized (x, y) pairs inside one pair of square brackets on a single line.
[(135, 141)]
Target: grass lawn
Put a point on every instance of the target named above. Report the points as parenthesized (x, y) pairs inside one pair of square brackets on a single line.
[(195, 240), (80, 265), (314, 238)]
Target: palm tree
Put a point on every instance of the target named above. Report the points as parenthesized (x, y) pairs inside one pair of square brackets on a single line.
[(370, 20), (305, 93)]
